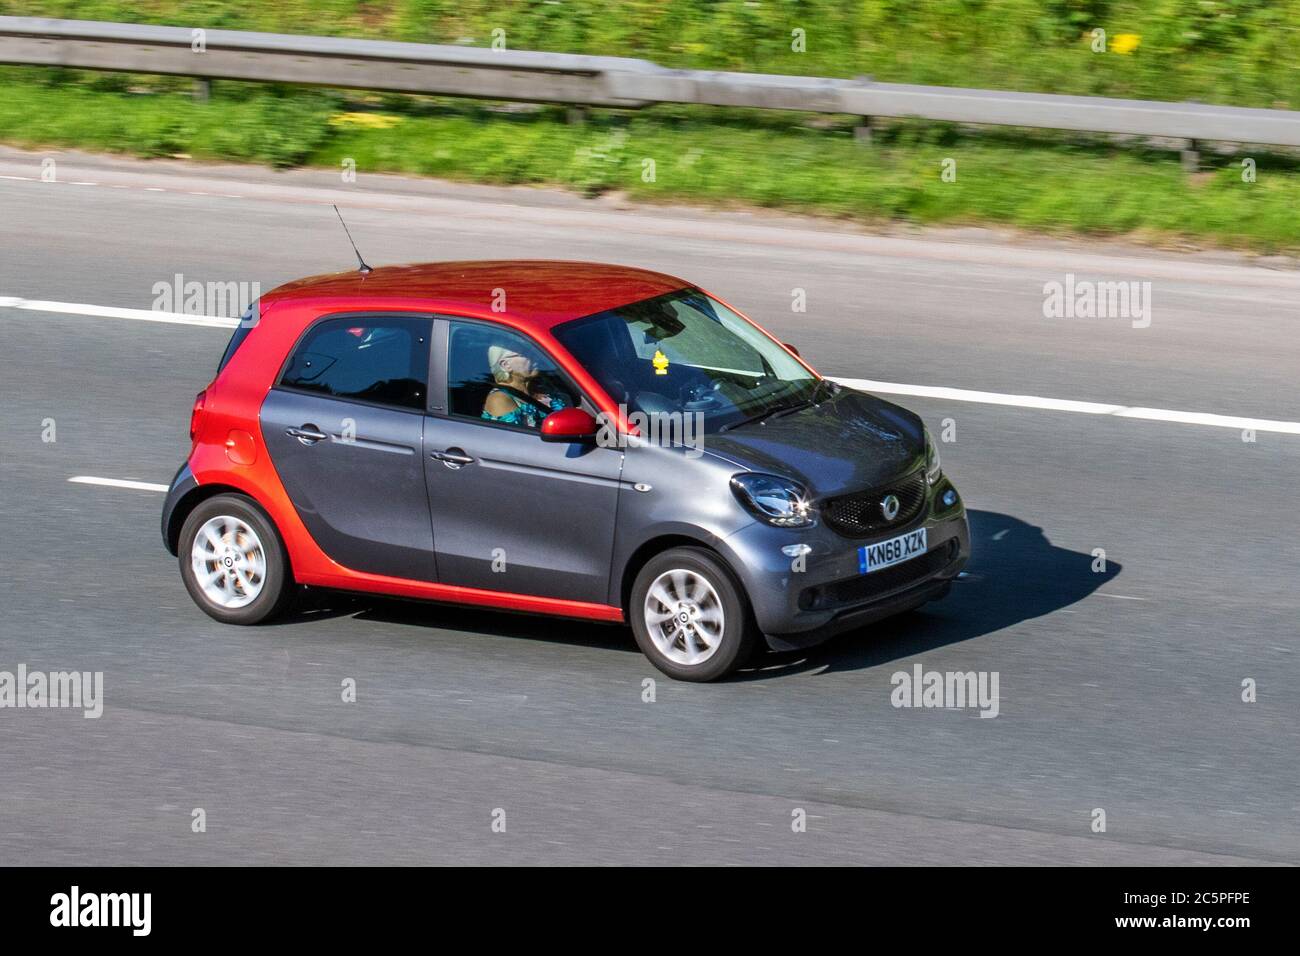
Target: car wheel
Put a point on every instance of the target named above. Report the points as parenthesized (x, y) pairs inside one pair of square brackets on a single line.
[(690, 615), (233, 562)]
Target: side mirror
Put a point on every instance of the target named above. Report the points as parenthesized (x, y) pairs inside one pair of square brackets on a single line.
[(569, 425), (791, 348)]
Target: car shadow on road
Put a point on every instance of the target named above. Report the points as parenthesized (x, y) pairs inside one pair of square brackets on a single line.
[(320, 605), (1015, 574)]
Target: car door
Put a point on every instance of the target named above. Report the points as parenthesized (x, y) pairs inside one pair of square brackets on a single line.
[(511, 512), (344, 429)]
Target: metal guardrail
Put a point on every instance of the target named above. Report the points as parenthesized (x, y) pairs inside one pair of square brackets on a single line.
[(598, 80)]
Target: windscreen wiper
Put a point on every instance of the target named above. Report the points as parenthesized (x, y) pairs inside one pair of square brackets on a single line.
[(766, 413), (780, 411)]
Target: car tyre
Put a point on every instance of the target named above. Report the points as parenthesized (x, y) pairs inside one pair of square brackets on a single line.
[(233, 562), (690, 615)]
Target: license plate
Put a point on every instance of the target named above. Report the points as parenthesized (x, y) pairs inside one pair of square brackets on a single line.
[(873, 557)]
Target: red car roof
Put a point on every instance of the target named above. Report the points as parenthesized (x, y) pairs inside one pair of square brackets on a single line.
[(536, 291)]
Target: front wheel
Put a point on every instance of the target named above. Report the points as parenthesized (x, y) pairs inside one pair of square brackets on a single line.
[(690, 616), (232, 561)]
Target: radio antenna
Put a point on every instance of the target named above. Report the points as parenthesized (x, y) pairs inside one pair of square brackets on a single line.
[(361, 263)]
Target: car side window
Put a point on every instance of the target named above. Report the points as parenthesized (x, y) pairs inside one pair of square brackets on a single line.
[(496, 375), (384, 360)]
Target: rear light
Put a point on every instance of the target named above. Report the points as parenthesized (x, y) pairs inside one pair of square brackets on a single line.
[(196, 414)]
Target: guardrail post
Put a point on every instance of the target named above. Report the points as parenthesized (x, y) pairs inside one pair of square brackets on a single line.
[(862, 132), (1191, 156), (202, 89)]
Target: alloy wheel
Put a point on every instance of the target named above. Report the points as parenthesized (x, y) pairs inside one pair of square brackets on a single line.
[(684, 616)]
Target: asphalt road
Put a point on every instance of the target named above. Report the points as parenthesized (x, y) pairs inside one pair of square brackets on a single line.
[(1119, 690)]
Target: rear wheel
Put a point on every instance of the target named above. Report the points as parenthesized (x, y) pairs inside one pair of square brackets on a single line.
[(690, 616), (233, 562)]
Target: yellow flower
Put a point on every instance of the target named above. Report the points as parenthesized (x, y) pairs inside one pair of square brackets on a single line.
[(365, 120), (1125, 42)]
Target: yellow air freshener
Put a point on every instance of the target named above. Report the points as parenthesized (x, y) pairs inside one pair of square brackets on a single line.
[(660, 362)]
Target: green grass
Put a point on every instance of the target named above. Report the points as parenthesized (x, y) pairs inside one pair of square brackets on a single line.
[(1018, 179), (1244, 52)]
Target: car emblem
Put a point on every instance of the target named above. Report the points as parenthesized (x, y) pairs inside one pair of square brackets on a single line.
[(889, 506)]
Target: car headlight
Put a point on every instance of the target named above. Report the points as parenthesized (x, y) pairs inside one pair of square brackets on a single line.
[(932, 470), (778, 501)]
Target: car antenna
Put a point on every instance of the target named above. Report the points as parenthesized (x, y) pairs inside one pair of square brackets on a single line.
[(364, 269)]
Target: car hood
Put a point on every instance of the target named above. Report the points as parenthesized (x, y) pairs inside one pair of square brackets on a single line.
[(851, 442)]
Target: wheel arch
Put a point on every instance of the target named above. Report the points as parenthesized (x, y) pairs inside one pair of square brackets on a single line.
[(657, 545), (199, 494)]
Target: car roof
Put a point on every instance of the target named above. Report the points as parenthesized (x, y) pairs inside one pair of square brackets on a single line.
[(538, 292)]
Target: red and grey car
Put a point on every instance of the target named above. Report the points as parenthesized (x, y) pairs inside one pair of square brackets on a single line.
[(573, 439)]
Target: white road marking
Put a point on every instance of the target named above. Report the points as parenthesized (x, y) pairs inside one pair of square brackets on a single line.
[(869, 385), (112, 312), (1068, 405), (117, 483)]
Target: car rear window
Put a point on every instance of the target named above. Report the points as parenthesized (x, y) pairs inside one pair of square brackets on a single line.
[(246, 323)]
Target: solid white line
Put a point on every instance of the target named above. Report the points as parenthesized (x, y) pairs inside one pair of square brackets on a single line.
[(110, 312), (1205, 418), (1067, 405), (117, 483), (869, 385)]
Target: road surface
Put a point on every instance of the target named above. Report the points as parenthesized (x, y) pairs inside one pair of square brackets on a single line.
[(1120, 689)]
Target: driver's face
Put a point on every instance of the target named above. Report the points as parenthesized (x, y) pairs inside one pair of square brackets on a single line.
[(516, 364)]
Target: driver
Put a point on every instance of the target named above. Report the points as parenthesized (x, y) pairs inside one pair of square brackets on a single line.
[(517, 400)]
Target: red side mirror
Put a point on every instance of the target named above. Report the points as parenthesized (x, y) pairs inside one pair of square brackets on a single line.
[(568, 425), (791, 348)]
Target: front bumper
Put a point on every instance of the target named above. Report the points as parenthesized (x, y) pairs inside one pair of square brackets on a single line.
[(798, 608)]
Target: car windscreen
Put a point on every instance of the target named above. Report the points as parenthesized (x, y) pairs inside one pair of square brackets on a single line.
[(687, 353)]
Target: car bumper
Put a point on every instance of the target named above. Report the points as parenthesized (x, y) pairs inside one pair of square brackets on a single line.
[(801, 606), (181, 486)]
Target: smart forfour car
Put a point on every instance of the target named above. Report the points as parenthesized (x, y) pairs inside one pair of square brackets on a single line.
[(490, 433)]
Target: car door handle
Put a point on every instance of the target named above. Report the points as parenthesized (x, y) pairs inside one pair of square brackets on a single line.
[(307, 434), (452, 457)]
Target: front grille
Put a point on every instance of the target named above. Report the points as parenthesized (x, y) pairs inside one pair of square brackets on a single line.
[(858, 515), (879, 583)]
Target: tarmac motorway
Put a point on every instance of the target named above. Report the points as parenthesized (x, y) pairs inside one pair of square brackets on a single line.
[(1120, 689)]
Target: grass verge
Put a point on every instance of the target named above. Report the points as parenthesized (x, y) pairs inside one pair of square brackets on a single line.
[(1022, 179)]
